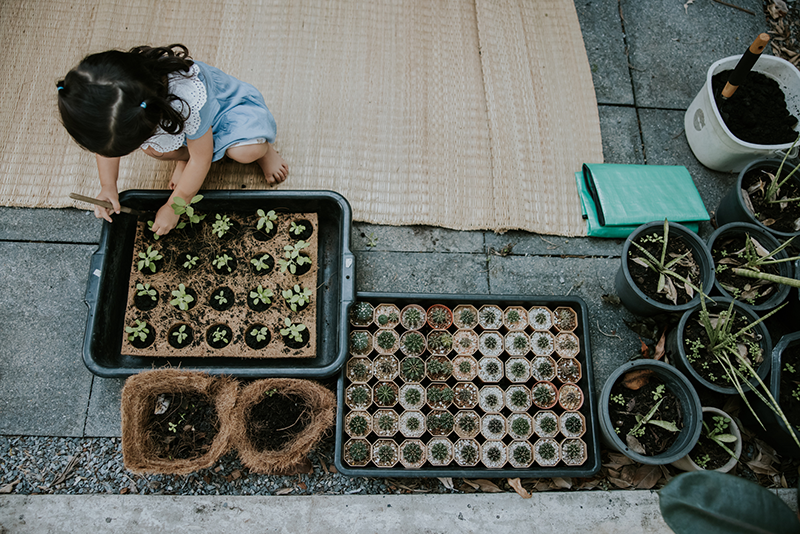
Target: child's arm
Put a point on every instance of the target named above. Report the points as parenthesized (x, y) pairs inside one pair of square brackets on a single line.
[(108, 169), (201, 151)]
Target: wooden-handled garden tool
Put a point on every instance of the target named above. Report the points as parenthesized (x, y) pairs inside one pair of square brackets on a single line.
[(745, 65), (104, 204)]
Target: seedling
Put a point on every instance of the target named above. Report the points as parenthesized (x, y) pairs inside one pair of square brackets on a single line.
[(144, 290), (221, 298), (180, 207), (638, 430), (261, 263), (772, 192), (718, 433), (261, 295), (148, 260), (619, 399), (222, 225), (220, 334), (261, 334), (296, 229), (139, 330), (293, 330), (296, 297), (221, 262), (150, 227), (180, 334), (293, 257), (190, 262), (182, 298), (266, 220)]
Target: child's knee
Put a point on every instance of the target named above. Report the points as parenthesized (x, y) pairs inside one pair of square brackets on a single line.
[(247, 153)]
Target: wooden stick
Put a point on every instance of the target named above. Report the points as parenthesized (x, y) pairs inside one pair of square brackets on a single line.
[(102, 203), (745, 65)]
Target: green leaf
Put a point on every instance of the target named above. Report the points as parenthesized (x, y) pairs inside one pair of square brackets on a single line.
[(718, 503), (667, 425), (726, 438), (196, 198)]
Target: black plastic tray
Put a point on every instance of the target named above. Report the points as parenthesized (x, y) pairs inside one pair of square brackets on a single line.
[(106, 291), (591, 437)]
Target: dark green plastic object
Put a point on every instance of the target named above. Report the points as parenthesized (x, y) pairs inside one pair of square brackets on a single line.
[(616, 199), (711, 503)]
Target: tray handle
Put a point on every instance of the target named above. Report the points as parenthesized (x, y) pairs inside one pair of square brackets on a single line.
[(95, 274)]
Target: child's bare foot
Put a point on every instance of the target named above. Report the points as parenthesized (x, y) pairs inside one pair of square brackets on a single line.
[(275, 168)]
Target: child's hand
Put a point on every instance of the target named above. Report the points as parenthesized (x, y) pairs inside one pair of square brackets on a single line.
[(109, 196), (166, 219)]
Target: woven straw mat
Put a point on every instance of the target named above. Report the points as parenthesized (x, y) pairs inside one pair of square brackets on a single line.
[(466, 114)]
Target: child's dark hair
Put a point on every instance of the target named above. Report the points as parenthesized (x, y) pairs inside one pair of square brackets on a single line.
[(112, 102)]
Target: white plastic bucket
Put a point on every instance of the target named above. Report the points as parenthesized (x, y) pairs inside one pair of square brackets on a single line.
[(711, 140)]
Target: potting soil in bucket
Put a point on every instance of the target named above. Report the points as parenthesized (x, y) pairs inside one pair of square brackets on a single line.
[(713, 131)]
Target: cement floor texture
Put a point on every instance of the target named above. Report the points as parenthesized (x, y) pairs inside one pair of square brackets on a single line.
[(648, 61)]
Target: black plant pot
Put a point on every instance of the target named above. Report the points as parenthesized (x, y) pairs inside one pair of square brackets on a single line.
[(770, 243), (732, 207), (675, 345), (639, 303), (679, 386)]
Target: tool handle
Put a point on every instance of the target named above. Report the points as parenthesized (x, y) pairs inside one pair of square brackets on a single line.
[(745, 65), (101, 203)]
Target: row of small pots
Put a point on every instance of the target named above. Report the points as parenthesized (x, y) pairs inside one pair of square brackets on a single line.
[(464, 342), (441, 452), (464, 316)]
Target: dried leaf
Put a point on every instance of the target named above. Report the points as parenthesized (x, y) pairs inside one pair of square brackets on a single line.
[(768, 222), (747, 202), (284, 491), (447, 482), (670, 291), (517, 485), (635, 380), (634, 445), (484, 485), (8, 488), (645, 349), (760, 250), (642, 262), (662, 341), (617, 459), (611, 299), (619, 483), (687, 287), (797, 225), (778, 9), (646, 477), (562, 483), (162, 403)]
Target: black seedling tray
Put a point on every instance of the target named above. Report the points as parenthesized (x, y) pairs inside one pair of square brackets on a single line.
[(591, 437), (109, 274)]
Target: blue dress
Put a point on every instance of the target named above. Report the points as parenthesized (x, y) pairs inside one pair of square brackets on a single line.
[(234, 110)]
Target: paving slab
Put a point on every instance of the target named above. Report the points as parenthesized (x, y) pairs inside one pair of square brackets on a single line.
[(605, 48), (671, 46), (612, 343), (622, 139), (422, 272), (103, 417), (44, 386), (49, 225), (383, 238)]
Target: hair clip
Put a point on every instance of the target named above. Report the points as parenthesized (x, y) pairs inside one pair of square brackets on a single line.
[(59, 87), (143, 105)]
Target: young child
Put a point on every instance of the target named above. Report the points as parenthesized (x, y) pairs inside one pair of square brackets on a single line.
[(171, 107)]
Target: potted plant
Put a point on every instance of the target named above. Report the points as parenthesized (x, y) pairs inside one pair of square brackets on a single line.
[(465, 395), (387, 315), (490, 317), (574, 452), (360, 343), (570, 397), (387, 342), (543, 368), (680, 427), (491, 399), (465, 342), (493, 426), (518, 370), (386, 394), (712, 341), (386, 367), (572, 424), (300, 229), (663, 266), (412, 453), (412, 396), (385, 423), (467, 424), (359, 370), (518, 398), (277, 421), (565, 319), (439, 317), (222, 299), (520, 426), (358, 396), (751, 265), (440, 452), (465, 316), (412, 369), (412, 343), (357, 452), (176, 422), (385, 453), (219, 336), (491, 344), (439, 423), (542, 343), (567, 345), (180, 336), (439, 368), (545, 424), (413, 317), (517, 343), (358, 424), (520, 454), (494, 454), (544, 394), (361, 314), (440, 342), (439, 396), (465, 368), (515, 318), (490, 369), (466, 452), (546, 452), (719, 446), (569, 370), (765, 195), (257, 336), (540, 318), (412, 424)]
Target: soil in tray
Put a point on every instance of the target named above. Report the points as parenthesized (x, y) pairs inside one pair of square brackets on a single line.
[(186, 430), (757, 112), (196, 246), (759, 290), (646, 279), (771, 214), (655, 439), (275, 421), (790, 383)]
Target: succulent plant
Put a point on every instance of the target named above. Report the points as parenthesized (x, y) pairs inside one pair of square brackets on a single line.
[(441, 421), (359, 342), (386, 422), (437, 394), (567, 343), (413, 423), (467, 316), (358, 425), (359, 395), (573, 424), (513, 316), (385, 453), (544, 368), (439, 367), (566, 319), (547, 451), (495, 425), (490, 342), (440, 341), (385, 394), (465, 342), (464, 366), (520, 426), (540, 318), (521, 455), (548, 424), (412, 396), (412, 317), (519, 398), (492, 400), (517, 369), (383, 319), (520, 343), (362, 312), (386, 340), (412, 453), (489, 316), (543, 395), (438, 317), (572, 451), (358, 451), (414, 343), (439, 452), (468, 423), (468, 453), (493, 368), (413, 368), (465, 395), (385, 366), (359, 371), (542, 342), (494, 454)]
